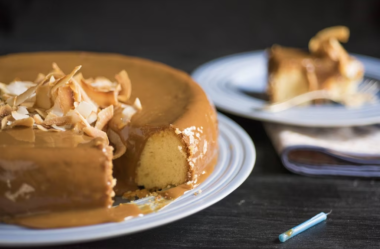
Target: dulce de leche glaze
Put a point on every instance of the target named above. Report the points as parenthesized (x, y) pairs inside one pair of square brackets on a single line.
[(170, 100), (44, 172)]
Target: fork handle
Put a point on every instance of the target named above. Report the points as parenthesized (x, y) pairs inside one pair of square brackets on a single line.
[(300, 99)]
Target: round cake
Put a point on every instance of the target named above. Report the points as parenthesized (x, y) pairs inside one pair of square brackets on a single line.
[(171, 142)]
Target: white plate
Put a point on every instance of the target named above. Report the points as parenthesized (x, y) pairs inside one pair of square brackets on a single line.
[(236, 160), (232, 81)]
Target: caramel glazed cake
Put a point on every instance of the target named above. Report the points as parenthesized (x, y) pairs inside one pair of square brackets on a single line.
[(327, 66), (70, 142)]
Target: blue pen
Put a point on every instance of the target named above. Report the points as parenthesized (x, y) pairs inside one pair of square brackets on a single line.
[(304, 226)]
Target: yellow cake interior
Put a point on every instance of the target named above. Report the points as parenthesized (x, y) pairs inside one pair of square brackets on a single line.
[(163, 161)]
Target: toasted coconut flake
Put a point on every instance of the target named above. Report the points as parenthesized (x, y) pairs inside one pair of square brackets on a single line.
[(40, 77), (74, 116), (57, 69), (122, 116), (52, 79), (40, 127), (84, 109), (59, 128), (84, 97), (66, 99), (5, 110), (92, 118), (18, 87), (51, 116), (57, 121), (22, 110), (4, 122), (63, 81), (29, 92), (338, 33), (30, 109), (43, 97), (78, 120), (128, 113), (29, 104), (56, 110), (93, 132), (41, 112), (75, 88), (333, 49), (137, 104), (78, 78), (104, 116), (102, 84), (37, 119), (103, 99), (82, 119), (19, 116), (26, 122), (116, 141), (126, 86), (11, 101), (3, 88)]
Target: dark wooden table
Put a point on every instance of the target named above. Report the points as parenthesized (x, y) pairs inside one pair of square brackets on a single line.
[(185, 34)]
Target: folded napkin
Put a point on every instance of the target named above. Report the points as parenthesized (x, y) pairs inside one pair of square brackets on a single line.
[(346, 151)]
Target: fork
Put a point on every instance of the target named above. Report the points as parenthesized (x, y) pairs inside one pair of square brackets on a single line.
[(366, 93)]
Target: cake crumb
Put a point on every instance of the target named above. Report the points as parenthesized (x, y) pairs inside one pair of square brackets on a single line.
[(177, 131)]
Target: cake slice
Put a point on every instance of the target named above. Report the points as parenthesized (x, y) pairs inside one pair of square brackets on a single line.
[(327, 66)]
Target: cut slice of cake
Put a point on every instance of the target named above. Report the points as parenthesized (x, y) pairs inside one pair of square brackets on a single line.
[(327, 66)]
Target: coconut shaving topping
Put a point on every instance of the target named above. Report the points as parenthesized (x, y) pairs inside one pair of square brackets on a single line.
[(59, 102)]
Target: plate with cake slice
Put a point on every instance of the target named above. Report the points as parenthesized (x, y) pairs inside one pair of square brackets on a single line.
[(98, 145), (323, 86)]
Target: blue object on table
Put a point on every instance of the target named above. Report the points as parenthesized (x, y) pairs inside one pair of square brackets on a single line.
[(302, 227)]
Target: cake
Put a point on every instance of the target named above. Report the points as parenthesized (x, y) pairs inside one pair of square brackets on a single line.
[(326, 66), (170, 142)]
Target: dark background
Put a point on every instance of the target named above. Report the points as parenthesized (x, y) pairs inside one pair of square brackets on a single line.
[(185, 34)]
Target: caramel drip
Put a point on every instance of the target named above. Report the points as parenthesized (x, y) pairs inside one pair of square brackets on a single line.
[(174, 193), (75, 218)]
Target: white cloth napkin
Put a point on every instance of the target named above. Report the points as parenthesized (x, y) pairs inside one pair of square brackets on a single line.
[(346, 151)]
